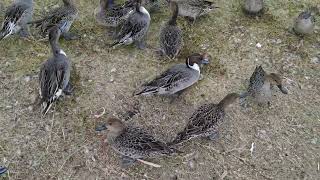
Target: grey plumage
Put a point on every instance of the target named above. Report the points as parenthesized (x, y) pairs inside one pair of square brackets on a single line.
[(135, 27), (134, 142), (111, 15), (62, 17), (54, 73), (259, 86), (16, 18), (171, 35), (304, 23), (194, 8), (205, 121), (177, 78)]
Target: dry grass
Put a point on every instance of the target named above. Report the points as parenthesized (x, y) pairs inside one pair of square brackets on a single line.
[(64, 145)]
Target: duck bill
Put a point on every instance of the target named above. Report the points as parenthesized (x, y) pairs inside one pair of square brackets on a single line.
[(101, 128), (282, 89), (204, 61)]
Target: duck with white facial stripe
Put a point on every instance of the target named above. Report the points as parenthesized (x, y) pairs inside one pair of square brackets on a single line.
[(54, 73), (135, 28), (16, 18), (177, 78)]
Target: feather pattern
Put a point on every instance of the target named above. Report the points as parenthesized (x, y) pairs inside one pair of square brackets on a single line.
[(17, 15), (62, 17)]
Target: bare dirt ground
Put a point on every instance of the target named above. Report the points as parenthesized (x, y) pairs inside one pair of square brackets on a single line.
[(285, 137)]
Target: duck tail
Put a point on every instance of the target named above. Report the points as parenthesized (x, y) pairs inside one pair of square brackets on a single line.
[(115, 44), (3, 170), (46, 108), (146, 90), (175, 10)]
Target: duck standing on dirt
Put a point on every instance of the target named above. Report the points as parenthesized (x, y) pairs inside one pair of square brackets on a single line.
[(253, 7), (171, 35), (260, 86), (111, 15), (62, 17), (135, 28), (177, 78), (205, 121), (304, 23), (16, 18), (192, 9), (134, 143), (54, 74)]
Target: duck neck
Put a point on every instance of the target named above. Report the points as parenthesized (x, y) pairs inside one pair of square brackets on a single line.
[(55, 47), (173, 20), (228, 100), (68, 2)]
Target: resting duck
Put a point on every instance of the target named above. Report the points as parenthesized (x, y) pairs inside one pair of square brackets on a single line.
[(54, 74), (192, 9), (111, 15), (253, 7), (134, 143), (62, 17), (304, 23), (259, 86), (205, 121), (171, 35), (16, 18), (135, 28), (177, 78)]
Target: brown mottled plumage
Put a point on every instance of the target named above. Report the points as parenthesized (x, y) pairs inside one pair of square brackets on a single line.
[(205, 121)]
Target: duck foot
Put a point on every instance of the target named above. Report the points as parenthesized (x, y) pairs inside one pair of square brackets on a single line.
[(175, 96), (140, 45), (69, 89), (24, 33), (127, 161), (70, 36), (214, 136)]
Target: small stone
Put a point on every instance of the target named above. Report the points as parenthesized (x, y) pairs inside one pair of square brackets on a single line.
[(113, 70), (191, 164), (314, 141), (27, 78), (111, 79), (258, 45), (30, 108), (315, 60)]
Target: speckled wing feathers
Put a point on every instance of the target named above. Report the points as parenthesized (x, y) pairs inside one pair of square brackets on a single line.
[(256, 80)]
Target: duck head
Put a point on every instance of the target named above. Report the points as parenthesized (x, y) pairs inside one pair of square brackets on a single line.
[(195, 60), (114, 127), (54, 35), (228, 100), (276, 80)]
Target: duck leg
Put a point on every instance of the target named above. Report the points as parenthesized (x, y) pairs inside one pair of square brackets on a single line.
[(176, 95), (69, 89), (70, 36), (140, 44), (214, 135), (24, 33), (127, 161)]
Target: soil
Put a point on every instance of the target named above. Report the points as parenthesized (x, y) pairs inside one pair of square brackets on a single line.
[(277, 142)]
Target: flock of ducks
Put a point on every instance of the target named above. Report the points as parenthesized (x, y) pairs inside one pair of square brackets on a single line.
[(131, 22)]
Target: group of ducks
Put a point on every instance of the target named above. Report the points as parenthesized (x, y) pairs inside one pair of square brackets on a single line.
[(132, 21)]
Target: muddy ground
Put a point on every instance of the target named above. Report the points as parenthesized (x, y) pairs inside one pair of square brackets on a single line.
[(285, 137)]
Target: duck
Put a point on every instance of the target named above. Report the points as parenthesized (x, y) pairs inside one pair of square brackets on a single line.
[(63, 17), (205, 121), (111, 15), (253, 7), (3, 170), (134, 28), (193, 9), (16, 18), (133, 143), (171, 35), (177, 78), (304, 24), (54, 76), (260, 86)]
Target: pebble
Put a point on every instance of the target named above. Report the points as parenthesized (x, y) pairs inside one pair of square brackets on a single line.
[(27, 78), (113, 70), (258, 45), (315, 60)]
